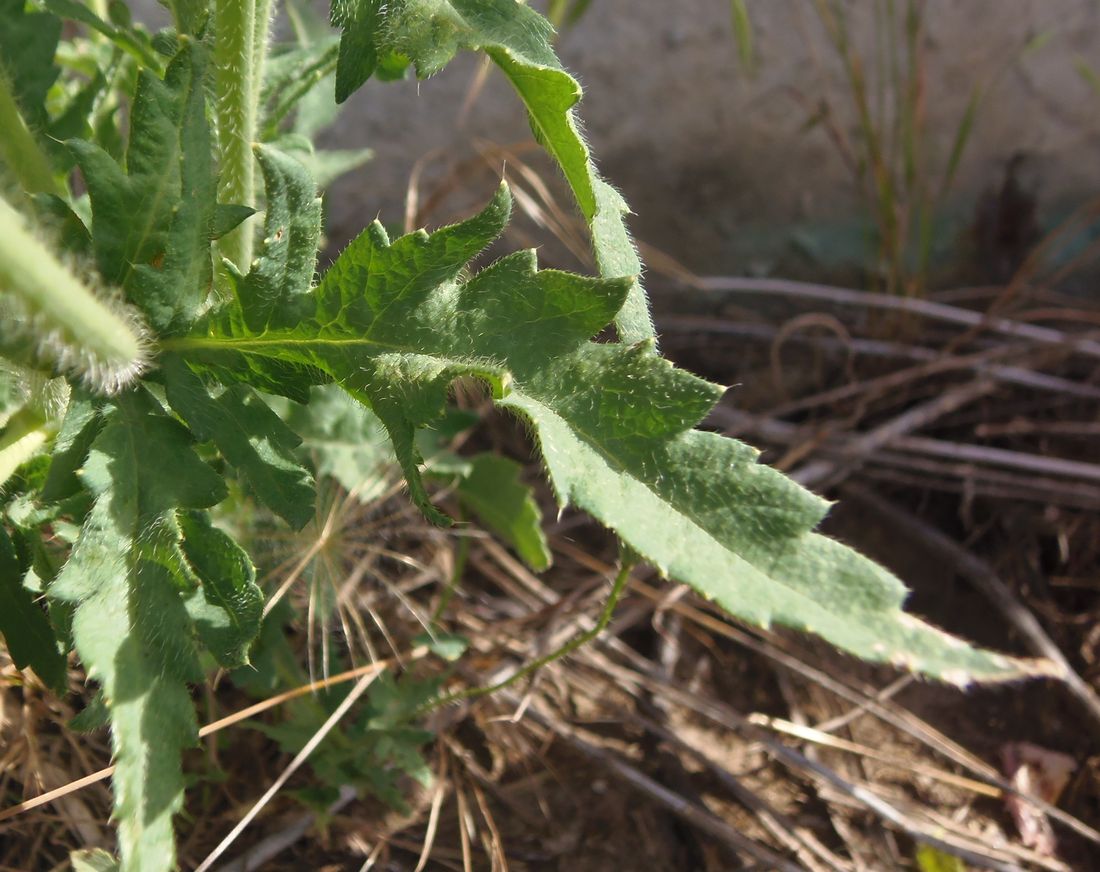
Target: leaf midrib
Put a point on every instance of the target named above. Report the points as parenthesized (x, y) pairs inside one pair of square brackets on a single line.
[(256, 345)]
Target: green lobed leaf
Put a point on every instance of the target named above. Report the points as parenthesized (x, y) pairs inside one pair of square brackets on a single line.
[(287, 257), (227, 611), (28, 42), (345, 441), (152, 220), (428, 34), (250, 436), (79, 427), (402, 389), (494, 491), (492, 488), (27, 633), (130, 626), (395, 323)]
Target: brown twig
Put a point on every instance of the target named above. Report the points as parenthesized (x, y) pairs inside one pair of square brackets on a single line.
[(909, 305), (899, 718), (922, 455), (820, 473), (880, 349)]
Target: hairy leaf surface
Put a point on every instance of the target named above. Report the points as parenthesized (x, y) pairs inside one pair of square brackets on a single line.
[(24, 626), (395, 323), (229, 607), (428, 33), (130, 627), (28, 42), (250, 436), (152, 220)]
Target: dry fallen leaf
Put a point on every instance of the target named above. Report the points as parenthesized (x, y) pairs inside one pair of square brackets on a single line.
[(1042, 773)]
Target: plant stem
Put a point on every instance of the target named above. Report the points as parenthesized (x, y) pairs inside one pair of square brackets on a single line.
[(240, 48), (617, 589), (18, 148), (68, 324), (261, 31)]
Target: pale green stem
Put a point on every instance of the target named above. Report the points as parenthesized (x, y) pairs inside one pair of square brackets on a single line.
[(18, 148), (67, 321), (234, 69), (261, 38), (241, 30)]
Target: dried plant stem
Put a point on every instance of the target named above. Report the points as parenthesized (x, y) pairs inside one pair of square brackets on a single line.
[(345, 705), (925, 308), (694, 814), (989, 583)]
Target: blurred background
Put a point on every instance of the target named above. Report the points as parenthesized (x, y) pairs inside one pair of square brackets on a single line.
[(777, 141)]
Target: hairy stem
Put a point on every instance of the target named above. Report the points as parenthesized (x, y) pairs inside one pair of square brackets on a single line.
[(261, 34), (67, 325), (18, 149), (241, 30)]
